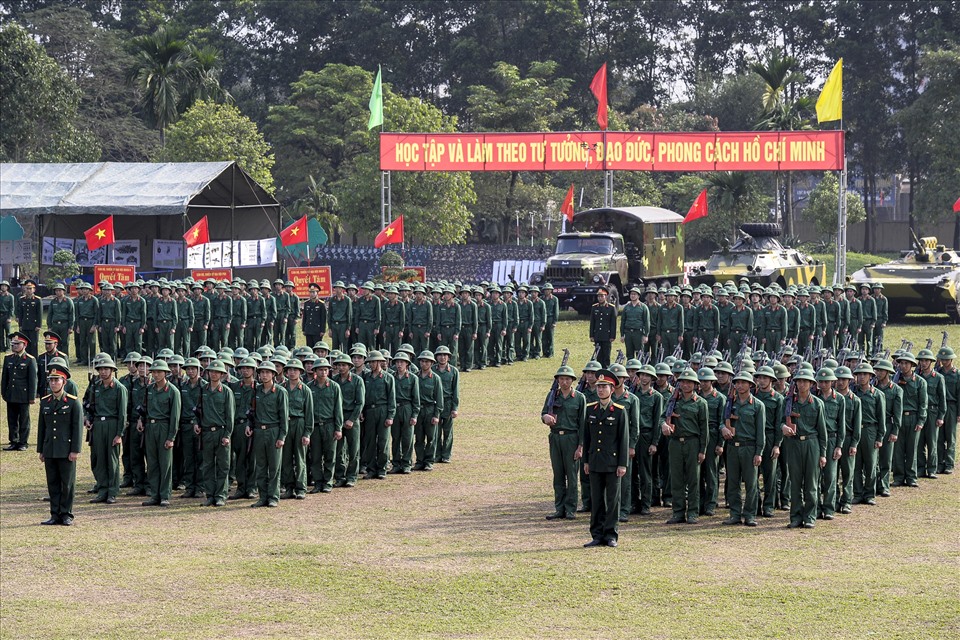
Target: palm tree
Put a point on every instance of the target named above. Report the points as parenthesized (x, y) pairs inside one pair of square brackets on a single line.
[(730, 191), (781, 113), (324, 207), (204, 78)]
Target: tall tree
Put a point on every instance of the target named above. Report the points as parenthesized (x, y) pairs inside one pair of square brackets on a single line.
[(39, 105)]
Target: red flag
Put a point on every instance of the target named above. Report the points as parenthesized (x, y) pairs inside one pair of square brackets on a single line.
[(198, 233), (296, 233), (100, 234), (567, 207), (391, 234), (698, 209), (599, 88), (956, 205)]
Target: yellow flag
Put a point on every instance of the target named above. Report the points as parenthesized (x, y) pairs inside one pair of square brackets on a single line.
[(830, 102)]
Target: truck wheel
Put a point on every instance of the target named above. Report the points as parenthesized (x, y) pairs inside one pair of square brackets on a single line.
[(614, 296), (761, 229)]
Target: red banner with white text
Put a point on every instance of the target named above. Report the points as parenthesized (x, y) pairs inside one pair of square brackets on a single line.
[(615, 150)]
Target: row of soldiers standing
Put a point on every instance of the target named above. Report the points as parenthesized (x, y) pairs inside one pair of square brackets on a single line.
[(812, 442), (676, 319)]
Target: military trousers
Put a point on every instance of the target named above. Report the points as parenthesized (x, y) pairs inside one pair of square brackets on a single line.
[(348, 454), (164, 335), (803, 339), (105, 458), (367, 336), (132, 338), (215, 468), (446, 338), (866, 463), (563, 443), (243, 464), (290, 334), (392, 338), (669, 340), (267, 458), (626, 489), (445, 438), (293, 470), (947, 442), (108, 337), (710, 476), (884, 465), (61, 483), (425, 437), (905, 450), (734, 340), (217, 334), (323, 452), (420, 338), (266, 335), (605, 505), (6, 328), (279, 329), (768, 475), (192, 473), (603, 356), (495, 345), (547, 340), (827, 503), (480, 348), (685, 476), (865, 337), (803, 461), (198, 337), (159, 462), (465, 346), (846, 473), (642, 468), (536, 341), (18, 422), (63, 330), (376, 437), (181, 339), (86, 340), (338, 337), (137, 446), (401, 436), (236, 334), (927, 444), (741, 472), (252, 333), (633, 342)]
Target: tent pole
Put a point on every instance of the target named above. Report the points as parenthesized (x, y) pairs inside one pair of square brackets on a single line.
[(233, 211)]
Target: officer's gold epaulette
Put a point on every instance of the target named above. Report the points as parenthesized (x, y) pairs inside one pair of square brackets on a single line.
[(592, 404), (70, 396), (46, 396), (618, 406), (29, 356)]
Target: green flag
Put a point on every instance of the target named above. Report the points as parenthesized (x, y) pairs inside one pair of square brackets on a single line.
[(376, 103)]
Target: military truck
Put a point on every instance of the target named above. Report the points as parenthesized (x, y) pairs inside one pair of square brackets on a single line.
[(758, 256), (617, 247), (925, 279)]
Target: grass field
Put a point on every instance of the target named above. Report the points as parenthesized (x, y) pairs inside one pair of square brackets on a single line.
[(465, 551)]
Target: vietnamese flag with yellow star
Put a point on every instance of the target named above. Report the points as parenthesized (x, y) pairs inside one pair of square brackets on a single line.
[(295, 233), (100, 235), (391, 234), (198, 233)]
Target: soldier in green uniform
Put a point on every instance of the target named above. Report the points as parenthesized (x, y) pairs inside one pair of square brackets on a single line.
[(216, 427), (282, 302), (134, 434), (690, 314), (854, 310), (604, 448), (739, 322), (185, 320), (725, 307), (708, 320), (744, 439), (498, 327), (850, 444), (269, 431), (551, 315), (469, 326), (19, 390), (51, 343), (328, 426), (8, 305), (710, 469), (805, 450), (792, 333), (868, 319), (243, 466), (201, 316), (59, 436), (348, 449), (269, 314), (421, 320), (890, 426), (394, 320), (431, 406), (833, 311), (651, 409), (565, 415), (29, 312), (134, 319), (634, 324), (873, 416), (449, 317), (947, 435), (670, 324), (407, 390), (87, 311), (622, 396), (190, 436), (256, 314), (160, 428), (883, 312), (105, 417), (381, 409), (110, 321), (450, 379), (484, 321), (774, 323), (936, 413), (603, 325), (341, 316), (687, 427), (368, 316), (293, 468), (808, 320), (293, 314), (524, 324), (914, 418), (652, 336), (238, 318), (61, 316), (834, 408), (221, 312), (511, 319)]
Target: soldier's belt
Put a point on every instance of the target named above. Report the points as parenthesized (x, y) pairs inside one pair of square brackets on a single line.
[(338, 322), (805, 438), (908, 413), (105, 418), (690, 438), (673, 331), (565, 432), (264, 427), (217, 428), (159, 423)]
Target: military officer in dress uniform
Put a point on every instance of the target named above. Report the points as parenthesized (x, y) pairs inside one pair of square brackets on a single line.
[(19, 390), (314, 316), (603, 325), (604, 448), (59, 435)]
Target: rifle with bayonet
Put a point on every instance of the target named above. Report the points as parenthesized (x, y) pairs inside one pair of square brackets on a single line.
[(90, 406), (582, 384), (621, 357), (552, 398)]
